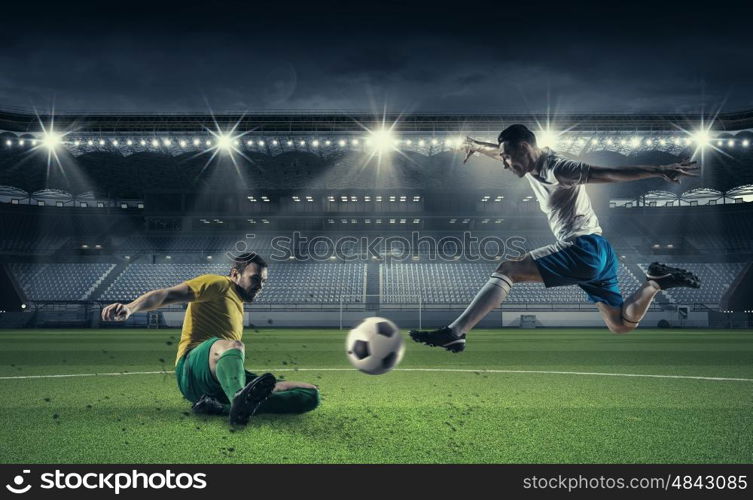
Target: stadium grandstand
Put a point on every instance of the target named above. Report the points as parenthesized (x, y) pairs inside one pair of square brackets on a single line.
[(353, 217)]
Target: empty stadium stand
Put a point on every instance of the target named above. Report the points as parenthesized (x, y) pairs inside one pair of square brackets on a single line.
[(449, 283), (60, 282), (322, 283)]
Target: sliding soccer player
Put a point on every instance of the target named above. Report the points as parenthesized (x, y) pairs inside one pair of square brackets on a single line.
[(209, 365), (581, 256)]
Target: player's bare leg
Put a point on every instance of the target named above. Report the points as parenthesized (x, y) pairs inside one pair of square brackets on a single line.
[(287, 386), (659, 277), (221, 347), (491, 295)]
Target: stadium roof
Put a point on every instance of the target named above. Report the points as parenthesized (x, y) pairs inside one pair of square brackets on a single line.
[(20, 120)]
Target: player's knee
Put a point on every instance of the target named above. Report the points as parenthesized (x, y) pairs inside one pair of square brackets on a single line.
[(222, 346), (511, 269), (620, 328), (237, 344)]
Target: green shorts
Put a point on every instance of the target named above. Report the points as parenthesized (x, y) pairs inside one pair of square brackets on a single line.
[(195, 379), (194, 376)]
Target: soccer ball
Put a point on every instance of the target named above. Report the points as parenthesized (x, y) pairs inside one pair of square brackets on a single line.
[(374, 346)]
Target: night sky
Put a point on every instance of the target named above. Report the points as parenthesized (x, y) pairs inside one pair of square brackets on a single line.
[(370, 56)]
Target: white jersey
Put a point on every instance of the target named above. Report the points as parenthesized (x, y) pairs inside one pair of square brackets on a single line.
[(559, 187)]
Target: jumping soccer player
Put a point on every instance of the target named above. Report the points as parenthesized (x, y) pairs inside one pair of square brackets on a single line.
[(581, 256), (209, 365)]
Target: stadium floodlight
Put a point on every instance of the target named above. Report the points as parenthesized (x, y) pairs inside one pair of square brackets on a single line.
[(702, 138), (730, 143), (635, 142), (114, 142), (52, 139), (355, 142), (8, 143), (129, 142), (327, 142), (224, 142), (196, 142), (274, 142), (155, 143), (101, 142), (746, 143), (142, 142), (434, 142), (167, 142), (261, 143), (421, 142), (290, 143), (594, 141), (90, 142), (381, 140), (315, 143), (182, 143), (341, 143)]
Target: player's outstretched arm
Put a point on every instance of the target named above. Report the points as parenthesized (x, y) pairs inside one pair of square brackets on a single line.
[(472, 146), (673, 172), (148, 302)]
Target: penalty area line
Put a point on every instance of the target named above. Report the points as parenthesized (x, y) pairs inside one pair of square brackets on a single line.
[(429, 370)]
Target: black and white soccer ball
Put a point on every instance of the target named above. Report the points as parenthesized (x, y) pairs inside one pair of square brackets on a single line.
[(375, 346)]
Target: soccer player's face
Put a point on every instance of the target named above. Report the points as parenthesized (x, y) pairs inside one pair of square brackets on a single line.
[(515, 158), (251, 281)]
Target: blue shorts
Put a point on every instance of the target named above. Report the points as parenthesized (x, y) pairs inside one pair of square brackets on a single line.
[(587, 261)]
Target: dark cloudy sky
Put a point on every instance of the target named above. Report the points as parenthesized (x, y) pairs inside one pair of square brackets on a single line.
[(463, 57)]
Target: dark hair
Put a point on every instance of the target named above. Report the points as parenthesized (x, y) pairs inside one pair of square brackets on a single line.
[(243, 260), (515, 134)]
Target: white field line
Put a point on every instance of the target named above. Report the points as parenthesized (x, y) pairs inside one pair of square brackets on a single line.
[(429, 370)]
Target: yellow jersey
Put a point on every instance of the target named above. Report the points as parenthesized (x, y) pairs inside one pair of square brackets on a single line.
[(216, 311)]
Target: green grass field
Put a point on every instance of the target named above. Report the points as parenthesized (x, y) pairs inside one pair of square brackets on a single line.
[(434, 416)]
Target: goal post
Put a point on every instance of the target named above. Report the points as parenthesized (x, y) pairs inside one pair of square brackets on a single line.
[(404, 307)]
